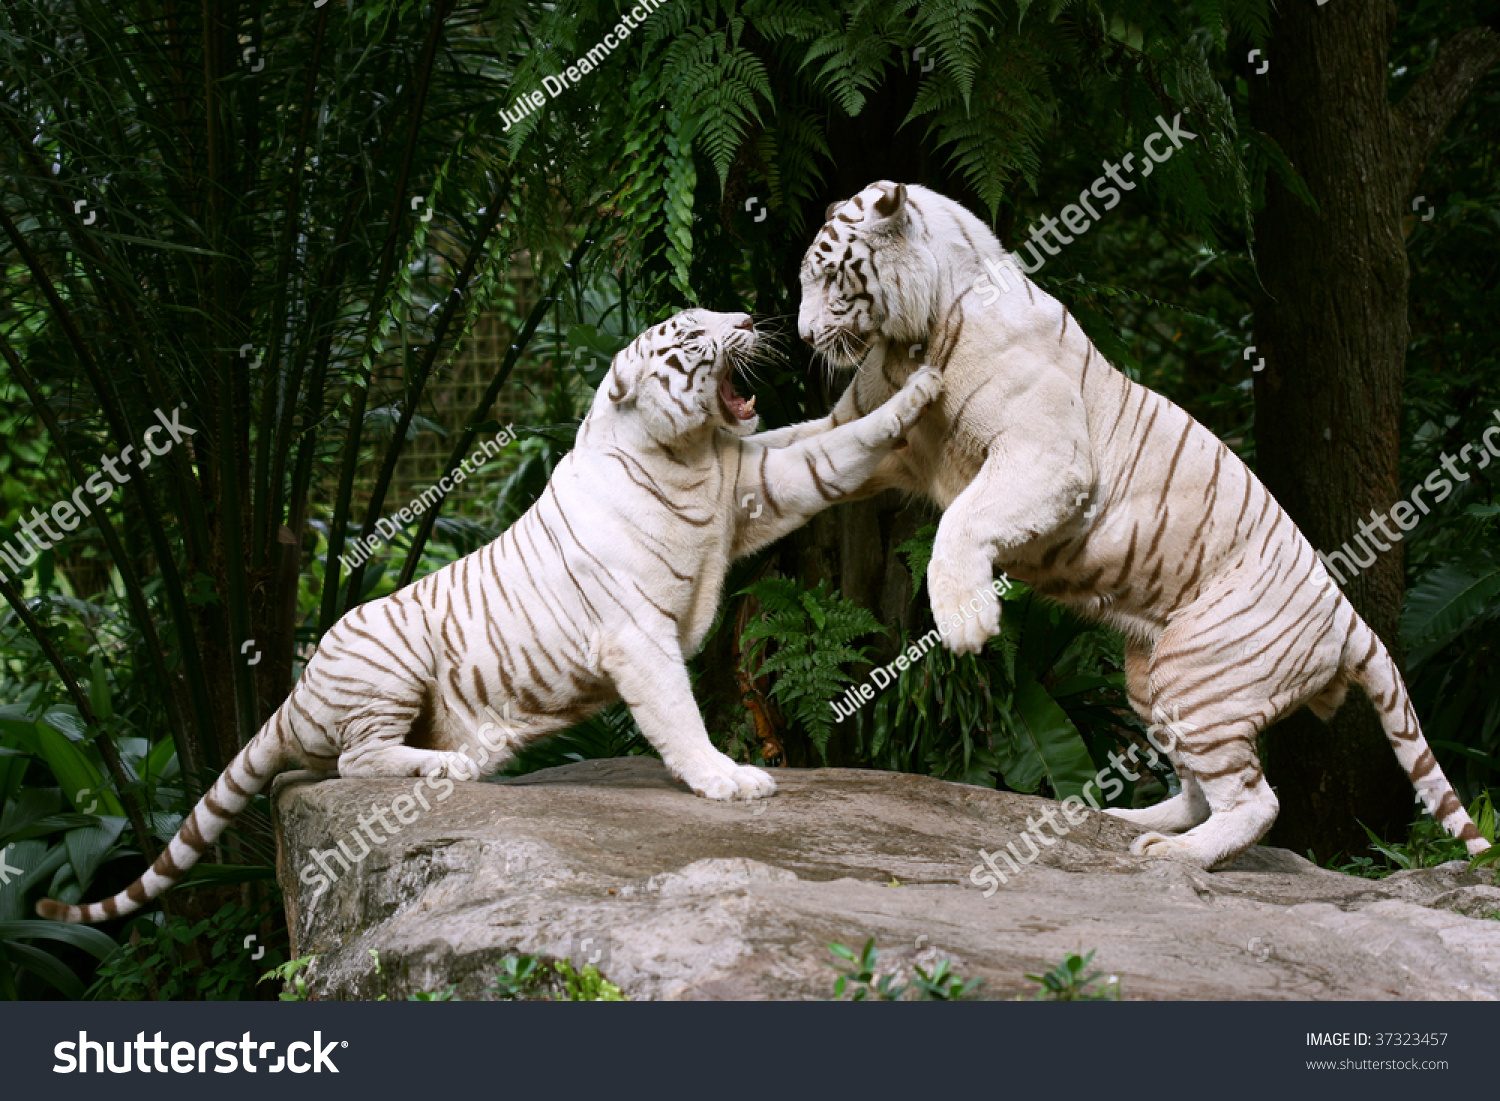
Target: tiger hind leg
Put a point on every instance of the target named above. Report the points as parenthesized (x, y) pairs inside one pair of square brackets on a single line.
[(1184, 810), (374, 738), (1181, 812), (1220, 761), (1255, 646)]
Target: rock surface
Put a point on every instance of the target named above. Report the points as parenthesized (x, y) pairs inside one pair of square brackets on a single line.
[(673, 896)]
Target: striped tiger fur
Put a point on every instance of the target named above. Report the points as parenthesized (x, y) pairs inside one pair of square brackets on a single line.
[(1104, 496), (601, 591)]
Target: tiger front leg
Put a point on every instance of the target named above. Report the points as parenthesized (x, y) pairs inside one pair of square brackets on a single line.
[(1029, 485), (780, 489), (651, 677)]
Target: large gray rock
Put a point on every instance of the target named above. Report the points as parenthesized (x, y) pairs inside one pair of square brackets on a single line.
[(673, 896)]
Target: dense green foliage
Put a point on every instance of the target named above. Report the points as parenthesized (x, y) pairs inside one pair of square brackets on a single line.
[(285, 219)]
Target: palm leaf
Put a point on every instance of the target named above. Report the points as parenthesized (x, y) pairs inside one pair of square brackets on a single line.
[(1446, 600)]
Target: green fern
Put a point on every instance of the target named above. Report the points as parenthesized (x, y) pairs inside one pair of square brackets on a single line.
[(917, 552), (718, 82), (656, 197), (814, 633), (1016, 101)]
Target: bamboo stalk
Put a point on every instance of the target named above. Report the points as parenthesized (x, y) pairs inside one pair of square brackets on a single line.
[(264, 517), (350, 457), (482, 409), (232, 456), (423, 373), (134, 594)]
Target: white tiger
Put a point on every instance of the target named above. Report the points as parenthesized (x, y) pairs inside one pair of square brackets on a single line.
[(1104, 496), (601, 591)]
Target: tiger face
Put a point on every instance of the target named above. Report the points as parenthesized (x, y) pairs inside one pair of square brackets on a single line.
[(678, 376), (849, 294)]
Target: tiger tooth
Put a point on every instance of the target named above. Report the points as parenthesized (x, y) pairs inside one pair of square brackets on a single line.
[(750, 403)]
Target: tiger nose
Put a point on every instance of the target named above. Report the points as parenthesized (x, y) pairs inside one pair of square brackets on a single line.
[(746, 323)]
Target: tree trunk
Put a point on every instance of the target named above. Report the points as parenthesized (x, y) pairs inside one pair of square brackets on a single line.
[(1332, 327)]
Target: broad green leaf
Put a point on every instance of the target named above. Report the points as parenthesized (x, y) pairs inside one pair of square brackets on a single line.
[(89, 845), (80, 780), (1072, 686), (37, 860), (162, 754), (46, 967), (19, 733), (1050, 745), (42, 827), (29, 805), (1445, 600), (88, 938), (65, 717)]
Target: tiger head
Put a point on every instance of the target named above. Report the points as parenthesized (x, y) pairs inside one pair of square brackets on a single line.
[(677, 377), (865, 274)]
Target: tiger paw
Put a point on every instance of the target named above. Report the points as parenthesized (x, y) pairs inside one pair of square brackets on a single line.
[(919, 392), (965, 625), (729, 781), (1181, 849)]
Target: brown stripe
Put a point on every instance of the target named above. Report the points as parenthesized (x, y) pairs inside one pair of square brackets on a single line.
[(216, 808), (1248, 767), (1166, 486), (1212, 495), (416, 677), (191, 834), (823, 491), (765, 484), (1052, 553), (1140, 450), (674, 508), (1129, 555)]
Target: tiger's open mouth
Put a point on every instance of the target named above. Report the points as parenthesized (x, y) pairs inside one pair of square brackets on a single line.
[(738, 408)]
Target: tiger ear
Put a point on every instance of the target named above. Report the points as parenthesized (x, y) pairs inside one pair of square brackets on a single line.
[(890, 208), (828, 213)]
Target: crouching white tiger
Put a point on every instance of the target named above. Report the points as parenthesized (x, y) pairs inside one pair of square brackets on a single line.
[(1104, 496), (601, 591)]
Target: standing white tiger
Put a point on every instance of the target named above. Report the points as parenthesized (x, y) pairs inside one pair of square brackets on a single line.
[(1104, 496), (601, 591)]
